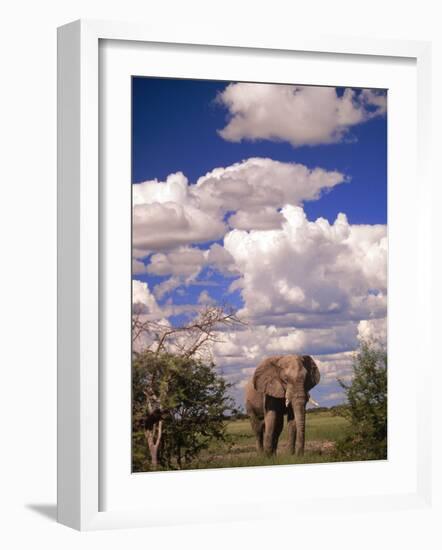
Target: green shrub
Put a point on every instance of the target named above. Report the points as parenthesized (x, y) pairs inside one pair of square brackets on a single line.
[(190, 399), (366, 407)]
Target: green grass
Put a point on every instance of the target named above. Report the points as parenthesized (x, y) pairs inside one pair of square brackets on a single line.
[(325, 427), (236, 461), (322, 431), (319, 427)]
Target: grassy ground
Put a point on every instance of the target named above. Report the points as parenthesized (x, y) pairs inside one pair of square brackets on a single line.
[(322, 431)]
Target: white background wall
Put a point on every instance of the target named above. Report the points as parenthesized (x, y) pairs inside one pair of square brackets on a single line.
[(28, 274)]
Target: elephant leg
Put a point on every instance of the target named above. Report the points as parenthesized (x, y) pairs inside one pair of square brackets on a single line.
[(299, 408), (273, 423), (260, 437), (291, 429), (269, 428), (258, 429), (279, 424)]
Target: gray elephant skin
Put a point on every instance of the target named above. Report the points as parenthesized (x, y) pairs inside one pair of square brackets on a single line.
[(280, 385)]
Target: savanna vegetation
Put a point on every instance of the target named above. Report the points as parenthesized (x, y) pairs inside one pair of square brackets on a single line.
[(179, 406), (183, 417), (366, 407)]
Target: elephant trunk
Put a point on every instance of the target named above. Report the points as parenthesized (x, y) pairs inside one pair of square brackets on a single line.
[(298, 405)]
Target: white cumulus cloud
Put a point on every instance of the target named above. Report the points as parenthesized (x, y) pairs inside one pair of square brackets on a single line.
[(300, 115), (176, 213), (263, 183), (311, 272), (143, 300), (167, 215), (205, 299), (184, 261), (373, 331)]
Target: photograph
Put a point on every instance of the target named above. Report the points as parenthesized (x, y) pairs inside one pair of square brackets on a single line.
[(230, 215), (259, 274)]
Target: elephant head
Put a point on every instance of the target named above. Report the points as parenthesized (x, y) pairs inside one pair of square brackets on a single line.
[(289, 377)]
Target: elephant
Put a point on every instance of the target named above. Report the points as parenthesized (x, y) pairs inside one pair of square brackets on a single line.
[(280, 385)]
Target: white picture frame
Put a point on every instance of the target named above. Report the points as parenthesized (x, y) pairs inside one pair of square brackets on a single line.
[(79, 261)]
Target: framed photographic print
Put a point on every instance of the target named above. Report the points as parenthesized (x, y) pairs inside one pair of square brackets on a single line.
[(234, 252), (259, 269)]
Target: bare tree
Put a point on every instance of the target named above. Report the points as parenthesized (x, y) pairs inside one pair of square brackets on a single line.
[(192, 339)]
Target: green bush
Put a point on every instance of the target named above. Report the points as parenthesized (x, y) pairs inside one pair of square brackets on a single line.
[(366, 407), (190, 399)]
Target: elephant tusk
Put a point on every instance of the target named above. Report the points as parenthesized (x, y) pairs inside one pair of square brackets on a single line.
[(313, 402)]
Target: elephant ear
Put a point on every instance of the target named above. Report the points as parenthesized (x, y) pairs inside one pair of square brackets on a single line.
[(313, 376), (268, 378)]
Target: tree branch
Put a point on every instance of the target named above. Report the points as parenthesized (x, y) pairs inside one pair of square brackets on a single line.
[(189, 339)]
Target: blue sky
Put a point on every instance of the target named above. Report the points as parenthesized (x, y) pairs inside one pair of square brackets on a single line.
[(174, 129), (192, 127)]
